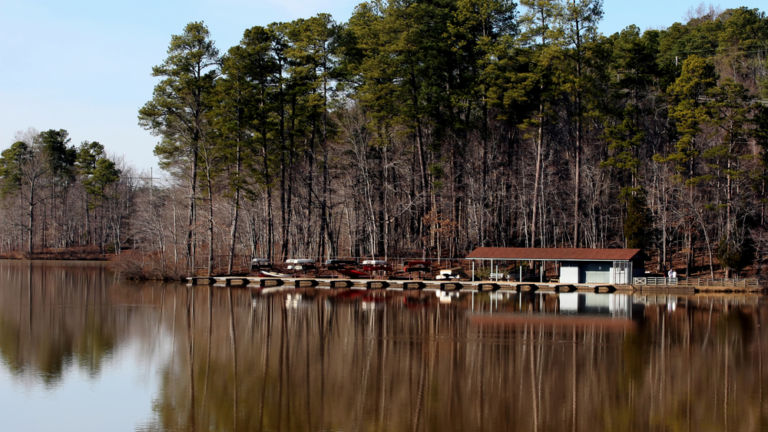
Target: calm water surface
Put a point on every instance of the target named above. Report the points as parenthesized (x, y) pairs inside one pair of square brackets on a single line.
[(83, 351)]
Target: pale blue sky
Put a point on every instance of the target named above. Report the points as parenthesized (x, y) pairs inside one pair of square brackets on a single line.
[(85, 66)]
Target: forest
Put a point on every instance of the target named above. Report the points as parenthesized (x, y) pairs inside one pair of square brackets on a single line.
[(425, 128)]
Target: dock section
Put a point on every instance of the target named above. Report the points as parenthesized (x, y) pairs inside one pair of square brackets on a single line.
[(462, 285)]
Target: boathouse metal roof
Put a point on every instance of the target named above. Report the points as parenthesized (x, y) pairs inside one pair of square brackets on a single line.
[(552, 254)]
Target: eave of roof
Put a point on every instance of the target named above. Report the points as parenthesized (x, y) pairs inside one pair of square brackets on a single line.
[(553, 254)]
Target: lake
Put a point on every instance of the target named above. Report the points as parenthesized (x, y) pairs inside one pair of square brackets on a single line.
[(82, 350)]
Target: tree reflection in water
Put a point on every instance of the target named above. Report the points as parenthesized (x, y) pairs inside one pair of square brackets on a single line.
[(39, 333), (353, 360), (317, 360)]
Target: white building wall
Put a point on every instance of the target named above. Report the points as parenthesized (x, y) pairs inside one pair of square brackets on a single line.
[(569, 274), (596, 272), (617, 275), (621, 276)]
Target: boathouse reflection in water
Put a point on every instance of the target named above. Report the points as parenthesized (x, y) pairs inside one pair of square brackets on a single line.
[(317, 359)]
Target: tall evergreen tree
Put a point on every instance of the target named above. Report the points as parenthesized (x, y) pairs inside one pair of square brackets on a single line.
[(177, 111), (579, 22)]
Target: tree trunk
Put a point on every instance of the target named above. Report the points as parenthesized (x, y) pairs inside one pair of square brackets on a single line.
[(191, 216), (31, 219), (537, 174), (326, 248), (210, 223), (235, 211), (577, 185), (577, 160)]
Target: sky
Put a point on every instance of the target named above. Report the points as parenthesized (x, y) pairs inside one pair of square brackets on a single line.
[(85, 66)]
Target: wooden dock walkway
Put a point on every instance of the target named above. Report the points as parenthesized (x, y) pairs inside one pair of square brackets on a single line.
[(452, 285)]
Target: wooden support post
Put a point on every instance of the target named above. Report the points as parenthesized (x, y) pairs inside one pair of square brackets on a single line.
[(450, 286), (605, 289), (488, 287), (341, 284), (564, 288), (410, 286), (305, 283), (270, 283), (377, 284)]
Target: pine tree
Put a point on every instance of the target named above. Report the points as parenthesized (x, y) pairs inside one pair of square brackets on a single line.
[(178, 108)]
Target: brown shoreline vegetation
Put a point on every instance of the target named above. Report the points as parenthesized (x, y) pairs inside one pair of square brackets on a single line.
[(68, 254), (135, 265)]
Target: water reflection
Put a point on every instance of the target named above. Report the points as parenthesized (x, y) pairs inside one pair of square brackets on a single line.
[(77, 350), (356, 360), (38, 332)]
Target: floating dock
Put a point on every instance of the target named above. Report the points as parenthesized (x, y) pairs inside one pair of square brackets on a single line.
[(453, 285)]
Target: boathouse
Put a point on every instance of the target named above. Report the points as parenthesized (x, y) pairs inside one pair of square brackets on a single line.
[(572, 265)]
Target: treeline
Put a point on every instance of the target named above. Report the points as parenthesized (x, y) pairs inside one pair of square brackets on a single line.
[(432, 127), (59, 196)]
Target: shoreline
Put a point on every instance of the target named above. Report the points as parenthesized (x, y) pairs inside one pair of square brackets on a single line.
[(72, 254)]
